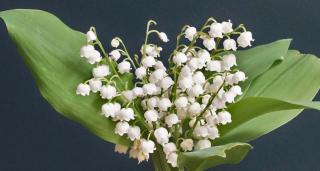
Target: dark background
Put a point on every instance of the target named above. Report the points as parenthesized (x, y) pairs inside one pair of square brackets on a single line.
[(35, 137)]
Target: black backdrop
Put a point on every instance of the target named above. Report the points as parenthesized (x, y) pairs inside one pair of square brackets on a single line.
[(34, 137)]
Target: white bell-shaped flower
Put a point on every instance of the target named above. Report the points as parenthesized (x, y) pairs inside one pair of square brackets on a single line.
[(164, 104), (134, 133), (187, 144), (179, 58), (125, 114), (202, 144), (209, 43), (245, 39), (124, 67), (186, 71), (230, 44), (227, 27), (216, 30), (128, 94), (108, 92), (160, 65), (224, 117), (194, 109), (163, 36), (141, 72), (157, 75), (229, 61), (194, 64), (101, 71), (229, 96), (151, 115), (212, 119), (122, 128), (173, 159), (147, 146), (152, 102), (83, 89), (95, 85), (91, 36), (115, 54), (166, 83), (138, 92), (162, 135), (181, 102), (205, 99), (110, 109), (86, 50), (201, 131), (239, 76), (121, 149), (153, 51), (204, 55), (213, 132), (198, 78), (169, 148), (94, 57), (214, 65), (236, 90), (171, 120), (148, 61), (149, 88), (115, 42), (185, 83), (218, 103), (195, 91), (190, 33)]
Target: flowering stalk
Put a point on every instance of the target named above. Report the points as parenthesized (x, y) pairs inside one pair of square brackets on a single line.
[(196, 90)]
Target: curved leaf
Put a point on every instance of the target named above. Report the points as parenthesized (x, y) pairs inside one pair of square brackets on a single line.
[(200, 160), (257, 60), (250, 108), (51, 51), (295, 78)]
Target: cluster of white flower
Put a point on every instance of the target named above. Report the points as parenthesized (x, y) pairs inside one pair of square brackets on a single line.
[(197, 88)]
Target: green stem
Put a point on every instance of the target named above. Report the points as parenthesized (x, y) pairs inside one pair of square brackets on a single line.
[(160, 161)]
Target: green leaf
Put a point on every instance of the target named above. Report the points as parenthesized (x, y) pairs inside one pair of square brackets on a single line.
[(292, 80), (51, 51), (251, 108), (257, 60), (200, 160)]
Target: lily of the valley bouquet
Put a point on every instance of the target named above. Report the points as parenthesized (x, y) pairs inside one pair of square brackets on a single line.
[(194, 109)]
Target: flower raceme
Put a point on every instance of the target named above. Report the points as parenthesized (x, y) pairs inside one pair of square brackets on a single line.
[(196, 90)]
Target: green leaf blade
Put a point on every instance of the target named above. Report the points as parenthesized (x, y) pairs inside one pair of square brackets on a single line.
[(200, 160), (51, 51)]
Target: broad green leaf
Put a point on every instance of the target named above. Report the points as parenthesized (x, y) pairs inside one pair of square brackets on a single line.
[(250, 108), (200, 160), (51, 51), (257, 60), (293, 80)]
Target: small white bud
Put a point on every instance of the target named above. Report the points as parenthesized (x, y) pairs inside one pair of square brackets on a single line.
[(115, 43), (91, 36), (163, 37)]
